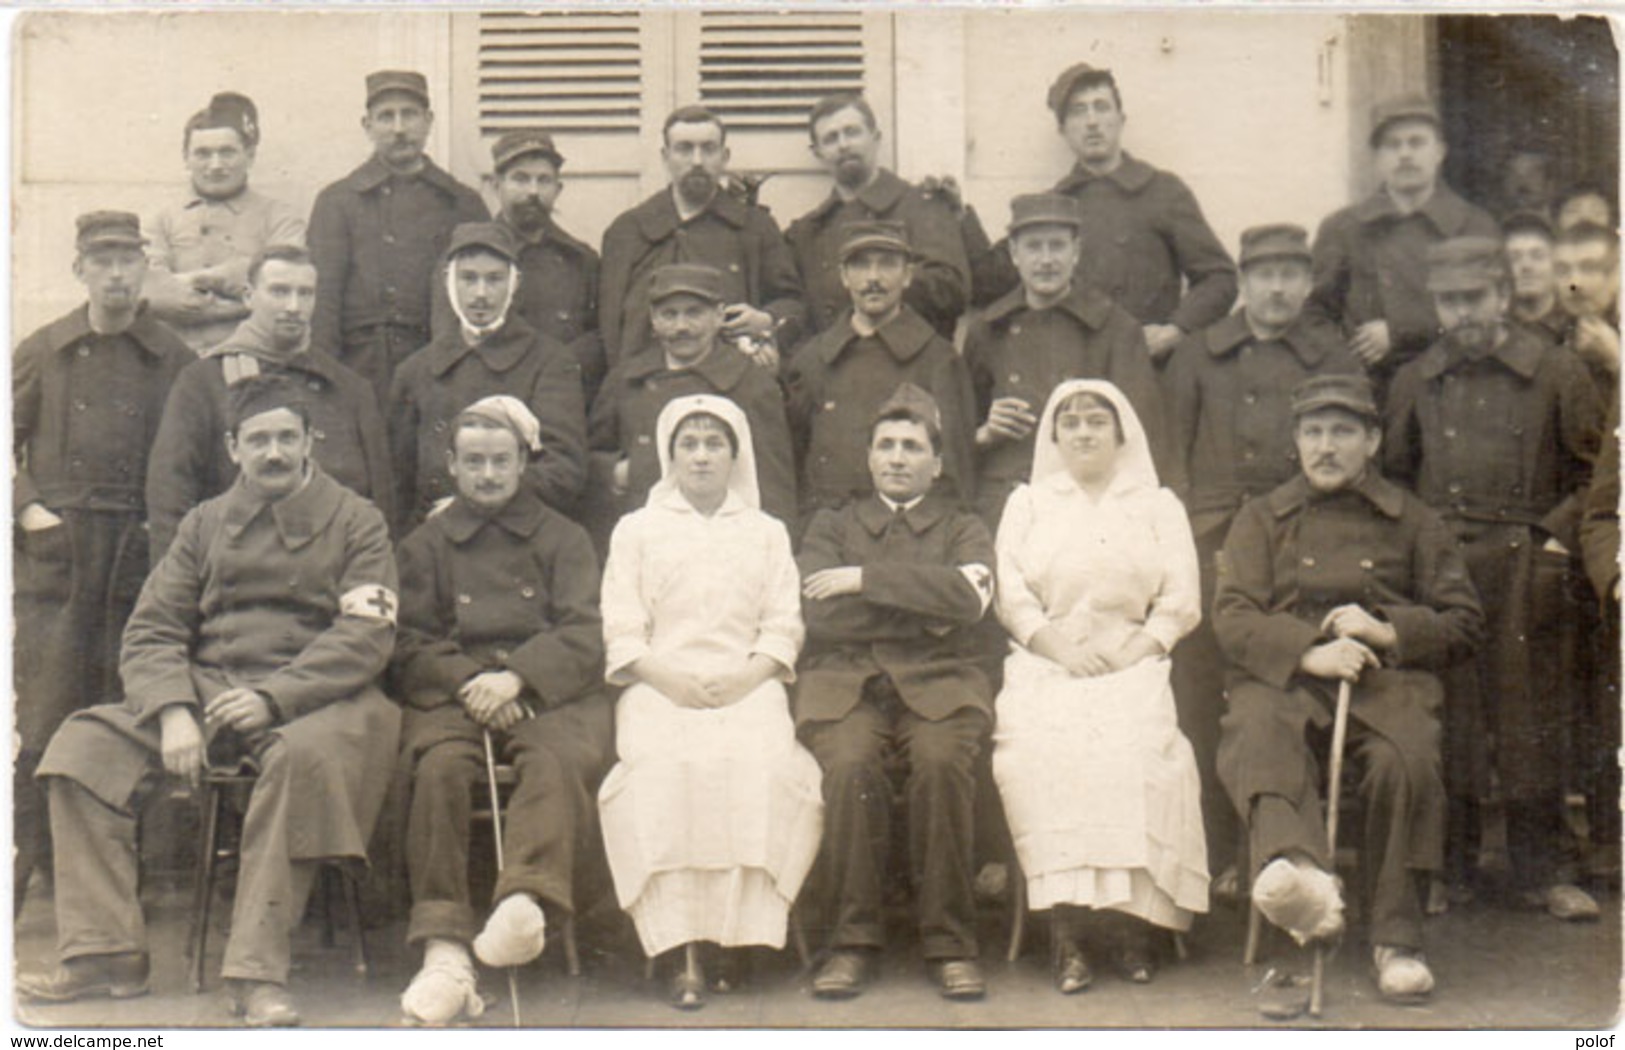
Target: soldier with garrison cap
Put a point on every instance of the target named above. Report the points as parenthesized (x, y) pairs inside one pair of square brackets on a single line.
[(198, 278), (1497, 430), (377, 235)]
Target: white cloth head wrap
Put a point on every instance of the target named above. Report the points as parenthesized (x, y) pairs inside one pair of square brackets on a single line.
[(741, 480), (1134, 467), (474, 333), (512, 413)]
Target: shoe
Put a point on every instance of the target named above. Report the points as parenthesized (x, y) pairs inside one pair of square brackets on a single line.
[(1283, 996), (1072, 973), (1402, 974), (686, 990), (514, 935), (1301, 899), (1570, 903), (727, 970), (1226, 888), (120, 976), (1136, 962), (843, 975), (445, 989), (959, 979), (262, 1004)]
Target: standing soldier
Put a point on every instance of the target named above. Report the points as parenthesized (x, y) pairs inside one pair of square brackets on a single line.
[(198, 278), (1528, 240), (1497, 430), (846, 141), (376, 235), (695, 220), (87, 393), (1585, 265)]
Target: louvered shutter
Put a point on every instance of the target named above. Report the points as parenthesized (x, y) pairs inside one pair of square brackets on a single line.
[(764, 71), (576, 73)]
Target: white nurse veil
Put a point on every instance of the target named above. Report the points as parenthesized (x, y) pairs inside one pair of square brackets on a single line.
[(1134, 466), (742, 480)]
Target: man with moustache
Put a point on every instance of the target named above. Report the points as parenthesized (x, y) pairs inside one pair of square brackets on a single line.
[(492, 351), (839, 378), (87, 393), (198, 278), (1371, 257), (1585, 266), (1498, 430), (846, 141), (1230, 390), (695, 221), (1339, 575), (254, 645), (376, 235), (189, 460)]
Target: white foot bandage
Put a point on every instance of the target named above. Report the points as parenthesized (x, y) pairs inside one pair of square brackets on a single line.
[(1300, 898), (1402, 974), (514, 934), (445, 988)]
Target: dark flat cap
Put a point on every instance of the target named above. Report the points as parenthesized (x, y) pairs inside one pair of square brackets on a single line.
[(491, 236), (1060, 92), (1462, 264), (258, 394), (687, 278), (1044, 209), (405, 80), (1350, 392), (1405, 107), (913, 401), (109, 229), (229, 109), (1277, 240), (516, 144), (874, 233), (1527, 222)]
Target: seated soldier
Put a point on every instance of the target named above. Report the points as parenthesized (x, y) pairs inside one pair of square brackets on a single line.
[(255, 641), (1341, 575), (893, 584), (500, 635)]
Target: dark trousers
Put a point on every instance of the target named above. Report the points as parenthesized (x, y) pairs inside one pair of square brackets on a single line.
[(939, 793), (551, 818), (375, 352)]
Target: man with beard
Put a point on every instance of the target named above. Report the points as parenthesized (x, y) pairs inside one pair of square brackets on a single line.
[(1497, 430), (493, 351), (1230, 395), (189, 460), (376, 234), (1371, 257), (198, 278), (87, 392), (838, 378), (1528, 240), (695, 220), (846, 141), (1585, 265), (226, 665)]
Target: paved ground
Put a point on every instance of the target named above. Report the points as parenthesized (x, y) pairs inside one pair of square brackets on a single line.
[(1496, 969)]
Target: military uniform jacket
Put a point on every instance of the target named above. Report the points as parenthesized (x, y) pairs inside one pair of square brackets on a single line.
[(1015, 351), (942, 273), (1370, 264), (1509, 438), (517, 590), (85, 410), (1599, 526), (558, 282), (624, 416), (739, 239), (1230, 397), (838, 379), (437, 382), (1295, 555), (913, 621), (377, 239), (189, 463)]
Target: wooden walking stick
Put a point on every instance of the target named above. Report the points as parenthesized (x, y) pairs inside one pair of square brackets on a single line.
[(496, 834), (1334, 789)]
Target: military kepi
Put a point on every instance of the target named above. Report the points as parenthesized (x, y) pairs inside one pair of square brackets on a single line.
[(397, 80), (1352, 393), (1463, 264), (1044, 209), (109, 229), (1280, 240), (1404, 107), (881, 234), (913, 401), (258, 394), (517, 144), (1073, 77), (493, 237), (689, 278)]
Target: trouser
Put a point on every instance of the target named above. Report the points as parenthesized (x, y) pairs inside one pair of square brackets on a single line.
[(98, 910), (1402, 794), (559, 758), (940, 797), (376, 351)]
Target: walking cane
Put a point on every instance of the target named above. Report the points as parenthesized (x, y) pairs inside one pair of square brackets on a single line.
[(1340, 726), (496, 834)]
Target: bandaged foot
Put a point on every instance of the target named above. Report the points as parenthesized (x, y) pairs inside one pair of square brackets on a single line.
[(1300, 898), (514, 934), (1402, 974), (445, 988)]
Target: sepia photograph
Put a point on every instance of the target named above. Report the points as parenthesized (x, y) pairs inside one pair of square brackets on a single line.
[(821, 516)]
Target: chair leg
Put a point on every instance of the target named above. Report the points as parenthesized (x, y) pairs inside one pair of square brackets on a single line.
[(1182, 951), (572, 957), (352, 903), (327, 875), (798, 938), (1255, 922), (203, 891), (1018, 912)]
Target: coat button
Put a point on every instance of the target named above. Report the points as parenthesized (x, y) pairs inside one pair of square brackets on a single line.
[(319, 435), (1251, 398), (389, 238), (1308, 562), (463, 599), (644, 439), (1015, 377), (501, 654), (527, 592), (1367, 564), (84, 351), (440, 426), (314, 384), (1455, 488), (1015, 329), (80, 404), (1450, 432)]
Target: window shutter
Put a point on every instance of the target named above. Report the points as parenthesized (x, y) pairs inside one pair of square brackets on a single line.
[(574, 73), (764, 71)]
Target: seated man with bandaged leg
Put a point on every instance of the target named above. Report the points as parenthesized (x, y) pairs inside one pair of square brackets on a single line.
[(1340, 575)]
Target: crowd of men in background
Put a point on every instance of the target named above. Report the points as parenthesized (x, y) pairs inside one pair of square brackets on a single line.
[(229, 337)]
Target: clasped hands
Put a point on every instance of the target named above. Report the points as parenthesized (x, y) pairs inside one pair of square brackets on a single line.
[(1092, 658), (492, 699), (181, 739), (1356, 637)]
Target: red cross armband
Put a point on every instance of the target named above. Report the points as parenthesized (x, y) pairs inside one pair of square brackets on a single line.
[(372, 601)]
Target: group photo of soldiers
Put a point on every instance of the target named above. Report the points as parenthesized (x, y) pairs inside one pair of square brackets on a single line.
[(757, 586)]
